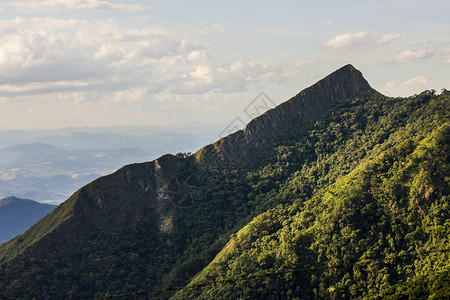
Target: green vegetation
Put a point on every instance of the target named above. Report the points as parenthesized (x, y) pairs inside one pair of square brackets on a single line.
[(394, 204), (359, 185)]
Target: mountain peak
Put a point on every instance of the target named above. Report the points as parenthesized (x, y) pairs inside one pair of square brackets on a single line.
[(307, 106), (347, 68), (348, 71), (346, 82), (11, 200)]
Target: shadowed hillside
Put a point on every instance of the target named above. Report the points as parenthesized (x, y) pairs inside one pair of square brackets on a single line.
[(17, 215)]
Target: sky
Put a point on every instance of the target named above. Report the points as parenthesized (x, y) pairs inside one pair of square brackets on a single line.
[(78, 63)]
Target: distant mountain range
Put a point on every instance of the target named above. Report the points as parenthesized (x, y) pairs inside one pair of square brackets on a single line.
[(73, 138), (17, 215), (53, 164), (338, 193)]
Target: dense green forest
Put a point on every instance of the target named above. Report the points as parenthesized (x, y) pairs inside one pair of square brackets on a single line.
[(340, 192), (394, 204)]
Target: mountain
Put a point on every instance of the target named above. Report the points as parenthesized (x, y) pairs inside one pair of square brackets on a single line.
[(339, 192), (12, 154), (17, 215)]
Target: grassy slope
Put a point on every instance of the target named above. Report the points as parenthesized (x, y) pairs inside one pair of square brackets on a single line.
[(45, 226)]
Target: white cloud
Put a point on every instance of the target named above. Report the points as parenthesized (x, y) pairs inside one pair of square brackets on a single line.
[(45, 49), (413, 85), (406, 88), (213, 29), (417, 80), (410, 55), (53, 5), (347, 40), (207, 75), (201, 56), (388, 38), (46, 55)]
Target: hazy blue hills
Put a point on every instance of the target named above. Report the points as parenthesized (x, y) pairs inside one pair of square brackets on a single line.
[(17, 215), (36, 149), (112, 137), (49, 165), (110, 140)]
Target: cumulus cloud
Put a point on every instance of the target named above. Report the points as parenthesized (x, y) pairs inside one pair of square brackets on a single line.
[(41, 50), (72, 75), (53, 5), (406, 88), (411, 86), (388, 38), (360, 38), (208, 75), (410, 55), (347, 40), (47, 55)]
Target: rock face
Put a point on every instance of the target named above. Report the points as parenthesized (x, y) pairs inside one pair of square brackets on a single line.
[(17, 215), (309, 104)]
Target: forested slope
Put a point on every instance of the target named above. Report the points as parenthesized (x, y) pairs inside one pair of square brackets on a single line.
[(361, 235)]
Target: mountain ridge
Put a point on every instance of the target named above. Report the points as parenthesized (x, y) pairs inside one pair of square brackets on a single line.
[(158, 224), (338, 77)]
